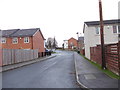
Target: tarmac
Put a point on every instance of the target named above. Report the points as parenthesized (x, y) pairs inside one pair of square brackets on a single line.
[(17, 65), (90, 77)]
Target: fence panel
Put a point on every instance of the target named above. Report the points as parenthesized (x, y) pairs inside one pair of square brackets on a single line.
[(35, 53), (119, 56), (82, 51), (11, 56), (7, 56), (95, 53), (112, 56), (17, 56)]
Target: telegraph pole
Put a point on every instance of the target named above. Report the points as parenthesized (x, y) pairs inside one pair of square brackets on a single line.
[(102, 36)]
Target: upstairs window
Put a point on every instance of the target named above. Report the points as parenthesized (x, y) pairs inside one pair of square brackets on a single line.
[(15, 40), (71, 43), (97, 30), (3, 40), (118, 28), (26, 39), (114, 29)]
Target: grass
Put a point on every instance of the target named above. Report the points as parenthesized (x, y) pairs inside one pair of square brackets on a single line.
[(106, 71), (53, 52)]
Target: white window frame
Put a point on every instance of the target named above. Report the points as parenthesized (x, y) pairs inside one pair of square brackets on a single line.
[(26, 39), (98, 30), (14, 39), (3, 39)]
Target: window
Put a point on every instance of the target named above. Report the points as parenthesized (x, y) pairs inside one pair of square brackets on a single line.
[(3, 40), (114, 29), (118, 29), (26, 39), (71, 43), (15, 40), (97, 30)]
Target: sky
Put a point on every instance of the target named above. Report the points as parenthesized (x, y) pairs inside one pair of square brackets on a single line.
[(61, 19)]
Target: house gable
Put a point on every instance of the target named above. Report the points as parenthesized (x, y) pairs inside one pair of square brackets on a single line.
[(38, 41)]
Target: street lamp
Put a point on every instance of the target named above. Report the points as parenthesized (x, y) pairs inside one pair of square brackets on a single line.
[(77, 40)]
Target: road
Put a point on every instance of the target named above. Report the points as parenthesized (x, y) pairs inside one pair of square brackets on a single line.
[(58, 72)]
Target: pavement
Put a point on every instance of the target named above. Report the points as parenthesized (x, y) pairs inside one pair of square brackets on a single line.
[(90, 77), (17, 65), (57, 72)]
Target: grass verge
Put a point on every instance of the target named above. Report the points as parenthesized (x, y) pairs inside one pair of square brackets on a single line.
[(53, 52), (106, 71)]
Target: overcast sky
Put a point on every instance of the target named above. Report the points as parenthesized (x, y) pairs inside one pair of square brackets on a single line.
[(59, 18)]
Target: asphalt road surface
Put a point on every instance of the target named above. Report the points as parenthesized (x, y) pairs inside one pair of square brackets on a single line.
[(58, 72)]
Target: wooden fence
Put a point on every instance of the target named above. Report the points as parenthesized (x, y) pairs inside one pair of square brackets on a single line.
[(12, 56), (112, 56), (95, 53), (82, 51)]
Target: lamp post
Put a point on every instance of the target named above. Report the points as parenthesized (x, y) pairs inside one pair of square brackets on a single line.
[(102, 36), (77, 40)]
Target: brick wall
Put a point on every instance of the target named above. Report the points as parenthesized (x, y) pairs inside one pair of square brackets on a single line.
[(38, 42), (74, 41), (19, 45)]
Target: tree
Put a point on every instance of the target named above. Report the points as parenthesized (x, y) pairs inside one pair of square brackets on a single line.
[(51, 43), (54, 43)]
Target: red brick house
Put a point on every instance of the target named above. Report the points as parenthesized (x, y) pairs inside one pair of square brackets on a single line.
[(72, 43), (81, 47), (23, 39)]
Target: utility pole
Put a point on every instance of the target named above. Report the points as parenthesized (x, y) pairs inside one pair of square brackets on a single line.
[(102, 36)]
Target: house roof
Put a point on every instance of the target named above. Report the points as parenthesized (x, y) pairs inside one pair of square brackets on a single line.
[(20, 32), (24, 32), (72, 38), (105, 22), (6, 33), (65, 40), (91, 23)]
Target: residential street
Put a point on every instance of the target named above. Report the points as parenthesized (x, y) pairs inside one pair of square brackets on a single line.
[(58, 72)]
